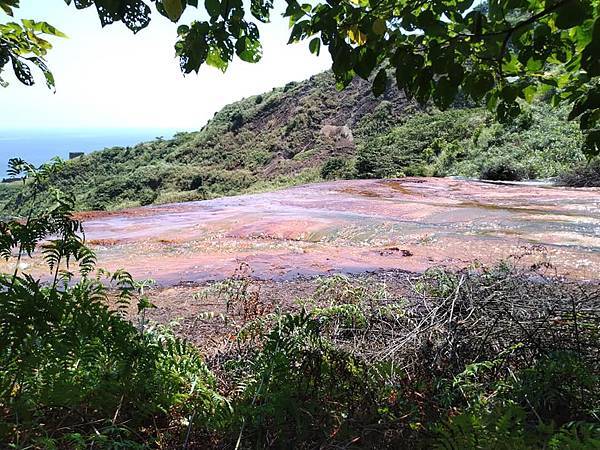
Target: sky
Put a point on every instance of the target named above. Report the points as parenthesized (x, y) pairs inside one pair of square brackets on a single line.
[(110, 78)]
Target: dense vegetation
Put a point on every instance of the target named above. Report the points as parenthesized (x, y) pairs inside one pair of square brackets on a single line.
[(584, 175), (259, 142), (500, 51), (309, 131), (468, 142), (483, 358)]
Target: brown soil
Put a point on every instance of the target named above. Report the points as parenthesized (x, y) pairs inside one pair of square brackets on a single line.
[(202, 315)]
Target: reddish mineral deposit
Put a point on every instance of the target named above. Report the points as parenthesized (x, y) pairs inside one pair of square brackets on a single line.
[(352, 226)]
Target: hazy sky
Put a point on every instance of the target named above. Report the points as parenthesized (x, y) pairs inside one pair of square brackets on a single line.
[(110, 78)]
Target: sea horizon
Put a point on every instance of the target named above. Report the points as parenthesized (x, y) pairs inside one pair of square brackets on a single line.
[(39, 145)]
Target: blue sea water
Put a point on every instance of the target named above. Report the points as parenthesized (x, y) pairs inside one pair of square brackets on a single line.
[(39, 146)]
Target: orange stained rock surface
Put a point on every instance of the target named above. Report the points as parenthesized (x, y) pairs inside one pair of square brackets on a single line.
[(352, 226)]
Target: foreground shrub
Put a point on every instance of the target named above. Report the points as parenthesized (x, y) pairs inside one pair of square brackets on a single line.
[(298, 388), (74, 371), (68, 361), (541, 406), (483, 358), (479, 358)]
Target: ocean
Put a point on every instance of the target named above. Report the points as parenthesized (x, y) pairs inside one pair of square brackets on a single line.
[(39, 146)]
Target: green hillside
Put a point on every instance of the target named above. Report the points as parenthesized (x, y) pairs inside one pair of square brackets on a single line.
[(308, 131)]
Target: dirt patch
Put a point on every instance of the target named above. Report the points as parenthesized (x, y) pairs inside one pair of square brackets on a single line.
[(102, 242), (211, 318)]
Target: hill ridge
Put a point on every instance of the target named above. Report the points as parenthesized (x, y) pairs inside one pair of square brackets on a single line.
[(308, 131)]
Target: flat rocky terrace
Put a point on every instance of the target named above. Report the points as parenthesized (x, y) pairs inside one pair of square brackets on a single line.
[(352, 226)]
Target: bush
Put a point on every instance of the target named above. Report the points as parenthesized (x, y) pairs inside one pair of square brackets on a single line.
[(334, 168), (74, 369), (587, 175), (298, 388), (541, 140), (236, 121), (415, 146), (502, 170), (538, 407), (442, 379), (462, 142)]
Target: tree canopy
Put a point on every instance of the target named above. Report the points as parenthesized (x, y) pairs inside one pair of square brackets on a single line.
[(494, 53)]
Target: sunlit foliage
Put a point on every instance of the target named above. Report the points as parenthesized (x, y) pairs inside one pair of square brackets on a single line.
[(494, 52)]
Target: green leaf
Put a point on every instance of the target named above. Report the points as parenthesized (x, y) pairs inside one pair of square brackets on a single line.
[(379, 27), (589, 57), (261, 9), (591, 147), (463, 5), (456, 73), (572, 14), (174, 9), (408, 63), (479, 83), (587, 102), (379, 83), (507, 111), (366, 61), (534, 65), (22, 72), (510, 92), (294, 11), (315, 46), (589, 119), (445, 92), (44, 68), (213, 7), (529, 93), (214, 59), (423, 84), (46, 28), (248, 50), (343, 59), (555, 100), (299, 31), (491, 100), (7, 9)]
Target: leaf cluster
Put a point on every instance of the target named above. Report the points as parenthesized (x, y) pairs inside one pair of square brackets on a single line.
[(436, 51), (497, 54), (24, 44), (71, 359)]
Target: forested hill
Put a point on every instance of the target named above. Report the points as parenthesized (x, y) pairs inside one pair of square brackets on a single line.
[(306, 131)]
